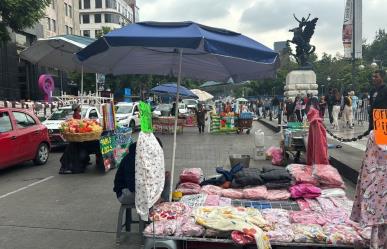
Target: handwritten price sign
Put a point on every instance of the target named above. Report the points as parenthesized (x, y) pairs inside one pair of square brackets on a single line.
[(380, 126)]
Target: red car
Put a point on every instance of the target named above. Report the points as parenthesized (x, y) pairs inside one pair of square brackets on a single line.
[(22, 138)]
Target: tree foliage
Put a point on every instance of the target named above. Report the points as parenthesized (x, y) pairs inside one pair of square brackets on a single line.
[(20, 14)]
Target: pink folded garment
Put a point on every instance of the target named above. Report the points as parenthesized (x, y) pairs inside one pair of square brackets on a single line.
[(212, 200), (255, 193), (326, 204), (281, 234), (305, 190), (307, 217), (313, 205), (241, 238), (163, 227), (276, 217), (327, 175), (188, 188), (193, 175), (212, 190), (303, 204), (341, 234), (302, 173), (190, 228), (280, 194), (232, 193)]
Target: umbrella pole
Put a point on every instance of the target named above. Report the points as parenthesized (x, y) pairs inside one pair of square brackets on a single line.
[(175, 128), (81, 84)]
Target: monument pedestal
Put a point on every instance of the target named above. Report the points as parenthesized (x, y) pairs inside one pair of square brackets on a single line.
[(300, 82)]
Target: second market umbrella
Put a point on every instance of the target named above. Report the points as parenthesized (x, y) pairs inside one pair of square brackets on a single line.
[(183, 49)]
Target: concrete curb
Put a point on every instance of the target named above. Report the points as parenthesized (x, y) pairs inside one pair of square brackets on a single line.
[(345, 170)]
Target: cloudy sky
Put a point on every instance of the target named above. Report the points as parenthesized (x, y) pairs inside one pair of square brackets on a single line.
[(268, 21)]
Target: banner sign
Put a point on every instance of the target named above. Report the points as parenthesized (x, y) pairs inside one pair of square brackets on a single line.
[(114, 146), (348, 35), (380, 126)]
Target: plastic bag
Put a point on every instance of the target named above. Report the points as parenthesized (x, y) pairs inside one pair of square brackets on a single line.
[(276, 216), (190, 228), (164, 227), (308, 233), (277, 156), (341, 234), (232, 193), (302, 173), (333, 192), (305, 190), (212, 190), (145, 117), (169, 211), (307, 217), (281, 234), (327, 175), (193, 175), (280, 194), (189, 188), (241, 238), (212, 200), (269, 152), (256, 193)]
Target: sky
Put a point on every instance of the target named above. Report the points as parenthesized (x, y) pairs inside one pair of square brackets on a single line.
[(267, 21)]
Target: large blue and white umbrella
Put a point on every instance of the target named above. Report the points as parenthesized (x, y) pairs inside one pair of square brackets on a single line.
[(171, 89), (183, 49)]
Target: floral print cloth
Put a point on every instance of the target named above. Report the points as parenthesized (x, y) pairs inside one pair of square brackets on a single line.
[(149, 173), (246, 220), (370, 205)]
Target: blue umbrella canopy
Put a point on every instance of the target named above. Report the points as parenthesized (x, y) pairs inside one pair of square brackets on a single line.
[(153, 48), (171, 89)]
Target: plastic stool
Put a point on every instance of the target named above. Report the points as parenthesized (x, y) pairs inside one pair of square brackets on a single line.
[(127, 209), (160, 243)]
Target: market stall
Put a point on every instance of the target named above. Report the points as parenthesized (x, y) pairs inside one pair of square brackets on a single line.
[(295, 135), (165, 125)]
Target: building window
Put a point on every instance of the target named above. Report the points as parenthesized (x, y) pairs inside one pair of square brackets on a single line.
[(98, 33), (85, 18), (67, 29), (80, 4), (97, 18), (70, 11), (53, 25), (111, 4), (98, 4), (66, 9), (119, 8), (86, 4), (112, 18), (71, 30), (48, 23), (86, 33)]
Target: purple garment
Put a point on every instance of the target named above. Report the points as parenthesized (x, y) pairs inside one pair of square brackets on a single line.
[(305, 190)]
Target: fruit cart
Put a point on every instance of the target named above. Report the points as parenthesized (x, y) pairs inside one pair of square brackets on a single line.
[(245, 121)]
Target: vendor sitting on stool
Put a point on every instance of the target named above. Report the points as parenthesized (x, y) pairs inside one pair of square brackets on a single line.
[(77, 111), (124, 181)]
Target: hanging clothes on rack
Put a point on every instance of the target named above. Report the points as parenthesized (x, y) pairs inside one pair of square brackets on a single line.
[(150, 169)]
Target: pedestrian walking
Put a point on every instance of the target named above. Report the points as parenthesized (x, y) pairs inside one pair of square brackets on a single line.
[(369, 207), (259, 105), (355, 105), (275, 106), (330, 100), (201, 118), (347, 112), (298, 108), (323, 106), (336, 108), (289, 110)]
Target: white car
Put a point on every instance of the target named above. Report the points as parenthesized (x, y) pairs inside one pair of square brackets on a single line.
[(191, 103), (57, 117), (183, 109), (127, 114)]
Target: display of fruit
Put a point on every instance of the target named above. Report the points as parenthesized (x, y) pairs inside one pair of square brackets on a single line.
[(80, 126)]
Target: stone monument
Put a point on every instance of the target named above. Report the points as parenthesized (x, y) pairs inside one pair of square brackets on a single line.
[(303, 80)]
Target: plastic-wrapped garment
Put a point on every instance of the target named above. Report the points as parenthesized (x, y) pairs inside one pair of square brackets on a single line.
[(163, 227), (313, 205), (342, 203), (308, 233), (326, 204), (194, 200), (337, 216), (341, 234), (302, 173), (149, 173), (332, 192), (242, 238), (256, 193), (276, 216), (212, 200), (188, 188), (224, 202), (280, 194), (279, 184), (232, 193), (212, 233), (281, 234), (274, 173), (327, 175), (193, 175), (248, 177), (246, 220), (211, 190), (303, 204), (190, 228), (308, 217), (169, 211), (277, 156), (305, 190)]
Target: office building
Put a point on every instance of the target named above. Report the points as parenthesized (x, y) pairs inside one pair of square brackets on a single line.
[(112, 14)]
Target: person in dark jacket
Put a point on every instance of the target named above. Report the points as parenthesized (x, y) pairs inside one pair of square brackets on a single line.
[(124, 181), (201, 117), (378, 98)]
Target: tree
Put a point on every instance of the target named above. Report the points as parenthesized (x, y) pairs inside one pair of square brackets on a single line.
[(20, 14)]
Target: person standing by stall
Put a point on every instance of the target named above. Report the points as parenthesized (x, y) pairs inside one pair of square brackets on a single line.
[(201, 118), (369, 207), (77, 111), (336, 108), (298, 108)]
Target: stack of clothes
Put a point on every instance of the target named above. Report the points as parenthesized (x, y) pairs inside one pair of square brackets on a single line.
[(189, 181)]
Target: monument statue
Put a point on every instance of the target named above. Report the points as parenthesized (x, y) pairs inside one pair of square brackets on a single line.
[(301, 38)]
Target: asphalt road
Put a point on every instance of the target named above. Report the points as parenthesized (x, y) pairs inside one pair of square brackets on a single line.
[(41, 209)]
